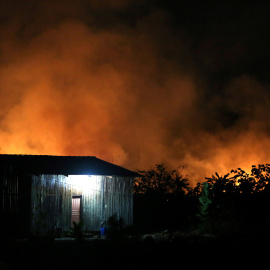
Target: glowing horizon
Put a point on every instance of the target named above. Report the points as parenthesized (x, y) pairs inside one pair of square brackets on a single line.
[(73, 84)]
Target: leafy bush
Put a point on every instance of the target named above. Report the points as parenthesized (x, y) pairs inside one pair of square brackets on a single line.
[(115, 226), (77, 230)]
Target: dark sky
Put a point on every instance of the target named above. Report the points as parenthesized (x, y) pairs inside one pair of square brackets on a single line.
[(137, 82)]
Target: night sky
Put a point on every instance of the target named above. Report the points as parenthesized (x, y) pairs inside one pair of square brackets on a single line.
[(137, 83)]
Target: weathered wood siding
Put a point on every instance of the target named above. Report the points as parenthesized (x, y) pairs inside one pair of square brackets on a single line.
[(15, 210), (101, 197), (49, 185), (118, 198)]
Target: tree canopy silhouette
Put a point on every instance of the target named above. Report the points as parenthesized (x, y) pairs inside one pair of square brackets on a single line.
[(237, 202), (162, 180), (163, 199)]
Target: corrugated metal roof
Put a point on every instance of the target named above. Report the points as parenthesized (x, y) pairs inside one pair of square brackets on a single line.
[(64, 165)]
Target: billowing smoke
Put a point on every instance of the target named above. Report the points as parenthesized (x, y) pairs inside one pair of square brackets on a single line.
[(117, 81)]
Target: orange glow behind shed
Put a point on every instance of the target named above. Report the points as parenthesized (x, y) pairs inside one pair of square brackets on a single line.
[(69, 86)]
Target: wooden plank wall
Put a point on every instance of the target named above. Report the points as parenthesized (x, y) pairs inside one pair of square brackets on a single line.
[(15, 211), (118, 198), (100, 200), (42, 186), (9, 190)]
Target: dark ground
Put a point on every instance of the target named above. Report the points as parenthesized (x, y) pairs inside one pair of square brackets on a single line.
[(191, 252)]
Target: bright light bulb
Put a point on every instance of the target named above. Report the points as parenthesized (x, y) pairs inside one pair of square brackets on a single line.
[(89, 184)]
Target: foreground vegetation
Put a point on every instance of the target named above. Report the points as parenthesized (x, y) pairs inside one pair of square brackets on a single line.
[(236, 203), (222, 223)]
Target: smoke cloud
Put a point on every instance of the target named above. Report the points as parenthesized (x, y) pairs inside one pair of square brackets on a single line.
[(122, 81)]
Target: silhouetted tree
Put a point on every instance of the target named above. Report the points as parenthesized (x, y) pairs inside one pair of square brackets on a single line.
[(161, 179), (261, 173), (163, 199), (238, 202)]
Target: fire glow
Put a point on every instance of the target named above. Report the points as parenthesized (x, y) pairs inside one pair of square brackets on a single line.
[(73, 87)]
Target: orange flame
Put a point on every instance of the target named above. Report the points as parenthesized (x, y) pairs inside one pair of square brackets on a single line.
[(74, 88)]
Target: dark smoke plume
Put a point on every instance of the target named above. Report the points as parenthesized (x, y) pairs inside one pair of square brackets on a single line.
[(134, 83)]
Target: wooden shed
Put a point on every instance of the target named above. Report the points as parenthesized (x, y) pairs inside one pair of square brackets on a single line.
[(39, 193)]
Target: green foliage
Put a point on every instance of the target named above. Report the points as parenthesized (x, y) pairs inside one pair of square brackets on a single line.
[(77, 230), (206, 209), (205, 201)]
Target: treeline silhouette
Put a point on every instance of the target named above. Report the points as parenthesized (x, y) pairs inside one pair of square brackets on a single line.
[(236, 203)]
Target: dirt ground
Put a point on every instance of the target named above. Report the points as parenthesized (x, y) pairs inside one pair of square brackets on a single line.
[(152, 251)]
